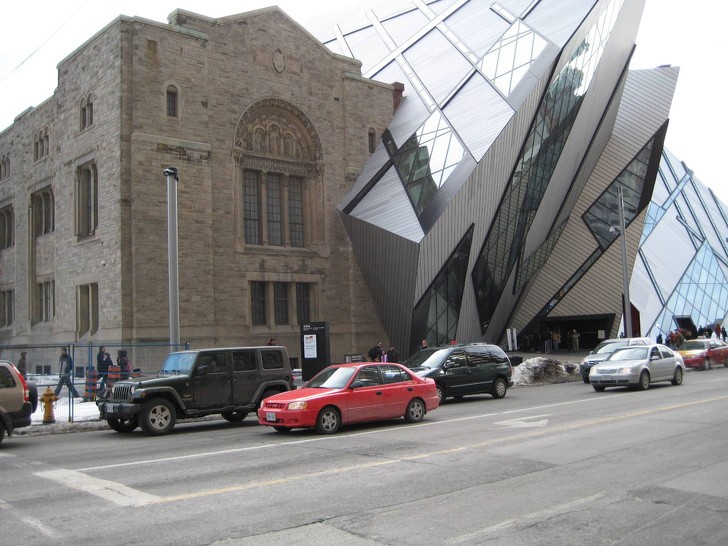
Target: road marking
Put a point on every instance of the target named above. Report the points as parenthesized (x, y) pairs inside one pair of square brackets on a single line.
[(523, 520), (117, 493), (532, 421), (32, 522)]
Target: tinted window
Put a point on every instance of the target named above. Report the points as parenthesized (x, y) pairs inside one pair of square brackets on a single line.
[(215, 362), (666, 353), (393, 374), (478, 357), (456, 359), (271, 360), (498, 356), (6, 378), (369, 376), (244, 361), (332, 378)]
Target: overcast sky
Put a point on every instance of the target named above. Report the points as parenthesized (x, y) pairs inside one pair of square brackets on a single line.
[(38, 34)]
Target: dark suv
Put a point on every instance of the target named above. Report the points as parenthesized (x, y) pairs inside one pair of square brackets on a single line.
[(18, 399), (458, 370), (228, 381)]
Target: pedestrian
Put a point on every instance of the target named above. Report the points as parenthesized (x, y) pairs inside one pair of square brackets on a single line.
[(659, 338), (722, 333), (23, 365), (375, 353), (423, 345), (574, 340), (392, 354), (65, 374), (124, 365), (103, 361), (271, 342)]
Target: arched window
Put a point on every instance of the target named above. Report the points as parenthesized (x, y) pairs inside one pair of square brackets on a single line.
[(172, 102), (82, 114)]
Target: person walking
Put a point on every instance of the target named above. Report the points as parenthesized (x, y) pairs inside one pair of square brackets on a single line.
[(103, 361), (723, 333), (23, 365), (574, 340), (65, 374)]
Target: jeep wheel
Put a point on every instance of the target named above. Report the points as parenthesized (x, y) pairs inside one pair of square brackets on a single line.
[(234, 416), (123, 425), (328, 420), (2, 433), (499, 388), (415, 411), (157, 417)]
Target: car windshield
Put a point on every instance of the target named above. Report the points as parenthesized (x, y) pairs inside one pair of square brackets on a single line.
[(629, 353), (427, 358), (332, 378), (694, 345), (178, 363), (606, 347)]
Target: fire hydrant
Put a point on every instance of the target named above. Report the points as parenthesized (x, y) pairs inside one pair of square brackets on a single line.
[(48, 397)]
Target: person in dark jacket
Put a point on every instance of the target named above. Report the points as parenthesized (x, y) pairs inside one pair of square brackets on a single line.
[(375, 353), (103, 361), (65, 374), (392, 354), (124, 365)]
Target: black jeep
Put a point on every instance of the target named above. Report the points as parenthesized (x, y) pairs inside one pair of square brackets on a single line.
[(228, 381)]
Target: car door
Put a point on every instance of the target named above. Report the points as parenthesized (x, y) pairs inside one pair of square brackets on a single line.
[(662, 367), (398, 388), (366, 402), (212, 384), (482, 369), (456, 374), (244, 375)]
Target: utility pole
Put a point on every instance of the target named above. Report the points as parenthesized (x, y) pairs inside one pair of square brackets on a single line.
[(172, 255)]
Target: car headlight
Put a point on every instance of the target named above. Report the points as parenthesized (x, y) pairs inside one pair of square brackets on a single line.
[(624, 371), (297, 405)]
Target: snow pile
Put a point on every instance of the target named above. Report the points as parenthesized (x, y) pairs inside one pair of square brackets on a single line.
[(544, 371)]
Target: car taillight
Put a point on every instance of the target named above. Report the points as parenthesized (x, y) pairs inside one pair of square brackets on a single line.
[(26, 391)]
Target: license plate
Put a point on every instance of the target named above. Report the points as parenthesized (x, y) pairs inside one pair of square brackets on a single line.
[(270, 416), (111, 408)]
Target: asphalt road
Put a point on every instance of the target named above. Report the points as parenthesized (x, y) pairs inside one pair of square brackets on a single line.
[(557, 464)]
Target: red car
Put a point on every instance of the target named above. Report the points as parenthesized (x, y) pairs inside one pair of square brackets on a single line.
[(351, 393), (704, 353)]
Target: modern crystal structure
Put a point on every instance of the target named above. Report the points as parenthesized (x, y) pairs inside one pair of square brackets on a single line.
[(490, 203)]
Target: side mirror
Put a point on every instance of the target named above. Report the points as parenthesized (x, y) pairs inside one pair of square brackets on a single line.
[(654, 357), (202, 370), (356, 385)]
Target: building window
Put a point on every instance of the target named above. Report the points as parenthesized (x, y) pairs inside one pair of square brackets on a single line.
[(282, 200), (372, 136), (172, 103), (45, 301), (277, 299), (251, 206), (257, 303), (280, 302), (87, 112), (87, 216), (41, 145), (303, 303), (87, 309), (7, 308), (43, 212), (275, 212), (295, 210), (4, 167), (7, 227)]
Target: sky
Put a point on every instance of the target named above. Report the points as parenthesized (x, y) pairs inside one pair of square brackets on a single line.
[(37, 35)]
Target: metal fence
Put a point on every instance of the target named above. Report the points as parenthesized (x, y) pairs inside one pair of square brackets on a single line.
[(43, 367)]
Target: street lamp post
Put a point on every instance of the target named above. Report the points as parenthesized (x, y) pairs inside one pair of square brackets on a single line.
[(172, 254), (625, 277)]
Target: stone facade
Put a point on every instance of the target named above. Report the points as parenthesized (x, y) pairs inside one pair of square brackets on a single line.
[(226, 75)]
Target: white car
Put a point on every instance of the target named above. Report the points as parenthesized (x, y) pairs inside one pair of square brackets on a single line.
[(604, 349), (638, 366)]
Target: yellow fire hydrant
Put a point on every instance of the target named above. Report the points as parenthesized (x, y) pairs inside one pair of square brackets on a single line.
[(48, 397)]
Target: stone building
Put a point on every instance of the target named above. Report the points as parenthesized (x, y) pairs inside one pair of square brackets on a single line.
[(268, 129)]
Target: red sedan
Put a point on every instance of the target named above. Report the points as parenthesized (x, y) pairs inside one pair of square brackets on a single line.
[(704, 353), (351, 393)]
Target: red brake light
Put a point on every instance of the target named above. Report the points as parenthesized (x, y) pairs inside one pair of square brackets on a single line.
[(26, 392)]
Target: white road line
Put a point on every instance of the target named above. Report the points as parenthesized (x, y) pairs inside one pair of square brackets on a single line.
[(117, 493), (31, 522)]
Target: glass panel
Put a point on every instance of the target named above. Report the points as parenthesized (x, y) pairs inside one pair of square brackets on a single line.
[(436, 315), (303, 303), (280, 302), (257, 301), (509, 59), (275, 212), (427, 159)]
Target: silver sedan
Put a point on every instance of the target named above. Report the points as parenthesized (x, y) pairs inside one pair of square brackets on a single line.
[(638, 367)]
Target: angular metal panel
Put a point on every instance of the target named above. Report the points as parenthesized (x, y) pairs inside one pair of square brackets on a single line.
[(556, 20), (477, 26), (402, 27), (478, 113), (367, 46)]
